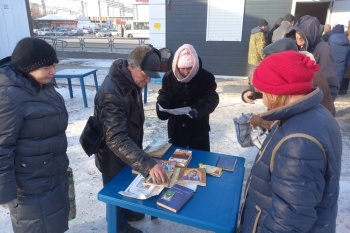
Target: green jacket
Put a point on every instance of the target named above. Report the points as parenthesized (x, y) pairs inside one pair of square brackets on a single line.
[(257, 43)]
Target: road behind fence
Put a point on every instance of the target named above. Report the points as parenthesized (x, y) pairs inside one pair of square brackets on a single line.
[(107, 47)]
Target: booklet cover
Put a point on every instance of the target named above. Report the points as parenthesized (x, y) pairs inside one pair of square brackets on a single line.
[(227, 162), (174, 198), (181, 157), (169, 167)]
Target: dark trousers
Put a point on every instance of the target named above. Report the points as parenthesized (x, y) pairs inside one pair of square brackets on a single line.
[(121, 218)]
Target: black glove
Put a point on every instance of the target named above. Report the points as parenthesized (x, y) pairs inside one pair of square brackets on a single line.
[(193, 113)]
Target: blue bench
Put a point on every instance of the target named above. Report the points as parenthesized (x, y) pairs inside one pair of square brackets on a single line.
[(77, 73)]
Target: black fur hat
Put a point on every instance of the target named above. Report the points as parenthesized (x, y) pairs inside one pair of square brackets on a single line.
[(33, 53)]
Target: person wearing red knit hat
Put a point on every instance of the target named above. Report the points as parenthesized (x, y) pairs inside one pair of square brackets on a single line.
[(294, 183)]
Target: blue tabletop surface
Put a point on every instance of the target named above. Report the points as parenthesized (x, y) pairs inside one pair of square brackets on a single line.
[(73, 72), (213, 207)]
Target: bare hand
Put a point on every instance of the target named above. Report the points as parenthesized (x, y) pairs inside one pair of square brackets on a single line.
[(247, 97), (158, 174)]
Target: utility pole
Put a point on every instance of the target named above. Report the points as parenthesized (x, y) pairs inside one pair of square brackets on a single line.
[(99, 10), (44, 6), (82, 8)]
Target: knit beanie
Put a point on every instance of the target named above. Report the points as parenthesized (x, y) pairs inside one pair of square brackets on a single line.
[(285, 73), (185, 59), (33, 53), (187, 51), (289, 17), (263, 22), (337, 29)]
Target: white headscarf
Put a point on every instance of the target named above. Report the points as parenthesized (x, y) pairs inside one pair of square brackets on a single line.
[(195, 66)]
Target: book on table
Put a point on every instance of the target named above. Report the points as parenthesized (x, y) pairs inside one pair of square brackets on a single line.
[(169, 167), (181, 157), (184, 176), (175, 197), (211, 170), (157, 148), (227, 162)]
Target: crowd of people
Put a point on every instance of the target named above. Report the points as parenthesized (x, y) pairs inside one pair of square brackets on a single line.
[(293, 185)]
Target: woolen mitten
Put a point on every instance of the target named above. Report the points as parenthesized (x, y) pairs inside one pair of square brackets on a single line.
[(193, 113)]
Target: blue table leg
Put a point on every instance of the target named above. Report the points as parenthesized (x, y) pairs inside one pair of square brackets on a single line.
[(145, 94), (112, 216), (83, 91), (95, 79), (70, 88)]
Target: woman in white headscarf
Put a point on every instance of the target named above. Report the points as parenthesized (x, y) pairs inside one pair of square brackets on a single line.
[(188, 85)]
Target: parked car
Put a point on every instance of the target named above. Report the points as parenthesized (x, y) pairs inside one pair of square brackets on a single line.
[(104, 33), (35, 31), (46, 32), (62, 32), (114, 32), (87, 31), (76, 32)]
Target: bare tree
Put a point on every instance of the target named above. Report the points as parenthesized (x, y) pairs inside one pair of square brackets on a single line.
[(35, 12)]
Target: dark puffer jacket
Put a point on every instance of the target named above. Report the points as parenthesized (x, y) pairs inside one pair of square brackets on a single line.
[(119, 107), (309, 29), (33, 159), (341, 53), (294, 183), (200, 94)]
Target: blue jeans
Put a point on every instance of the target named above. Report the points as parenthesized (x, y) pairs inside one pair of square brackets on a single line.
[(121, 219)]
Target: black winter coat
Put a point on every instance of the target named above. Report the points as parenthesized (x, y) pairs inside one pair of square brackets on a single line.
[(33, 159), (119, 107), (200, 94)]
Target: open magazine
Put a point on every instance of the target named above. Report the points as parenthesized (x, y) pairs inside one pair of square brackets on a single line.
[(137, 189)]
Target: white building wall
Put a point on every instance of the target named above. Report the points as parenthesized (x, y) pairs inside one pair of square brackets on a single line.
[(340, 13), (157, 23), (13, 25)]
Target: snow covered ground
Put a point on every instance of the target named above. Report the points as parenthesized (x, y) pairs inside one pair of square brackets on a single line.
[(91, 212)]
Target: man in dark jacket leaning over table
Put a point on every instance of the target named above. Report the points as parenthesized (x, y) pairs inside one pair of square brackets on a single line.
[(119, 107)]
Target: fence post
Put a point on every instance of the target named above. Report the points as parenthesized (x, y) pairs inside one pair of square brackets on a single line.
[(82, 43), (110, 43)]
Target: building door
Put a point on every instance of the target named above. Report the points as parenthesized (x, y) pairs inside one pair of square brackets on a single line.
[(317, 9)]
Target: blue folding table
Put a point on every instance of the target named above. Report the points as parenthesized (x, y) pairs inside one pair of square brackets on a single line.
[(77, 73), (214, 207)]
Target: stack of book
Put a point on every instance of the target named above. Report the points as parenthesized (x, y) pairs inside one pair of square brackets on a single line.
[(178, 172)]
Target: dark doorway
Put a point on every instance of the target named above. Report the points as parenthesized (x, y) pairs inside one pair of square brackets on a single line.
[(317, 9)]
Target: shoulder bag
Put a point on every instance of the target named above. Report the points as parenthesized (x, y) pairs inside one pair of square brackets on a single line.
[(92, 136)]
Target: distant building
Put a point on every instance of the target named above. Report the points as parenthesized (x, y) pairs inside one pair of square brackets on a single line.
[(55, 20), (220, 30)]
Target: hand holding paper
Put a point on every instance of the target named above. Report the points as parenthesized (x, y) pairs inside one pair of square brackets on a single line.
[(176, 111)]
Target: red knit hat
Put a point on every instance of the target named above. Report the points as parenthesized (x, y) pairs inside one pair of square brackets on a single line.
[(285, 73)]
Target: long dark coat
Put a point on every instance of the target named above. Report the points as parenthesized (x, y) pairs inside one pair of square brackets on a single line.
[(33, 159), (200, 94)]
